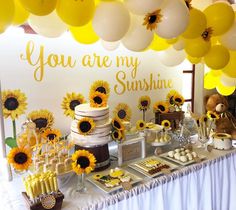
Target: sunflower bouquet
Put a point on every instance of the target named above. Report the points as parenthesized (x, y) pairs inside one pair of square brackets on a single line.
[(14, 104), (118, 130), (175, 100), (144, 104)]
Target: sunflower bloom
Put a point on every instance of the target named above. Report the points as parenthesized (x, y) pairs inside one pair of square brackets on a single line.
[(83, 162), (42, 118), (170, 97), (117, 124), (70, 101), (122, 111), (20, 158), (13, 103), (85, 126), (100, 86), (161, 106), (178, 99), (51, 134), (117, 135), (98, 99), (140, 125), (144, 103), (166, 124), (212, 115), (151, 20)]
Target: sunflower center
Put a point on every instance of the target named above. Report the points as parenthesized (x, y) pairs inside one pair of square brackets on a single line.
[(161, 107), (11, 103), (166, 124), (117, 124), (144, 103), (41, 123), (85, 126), (212, 116), (83, 162), (20, 158), (121, 114), (74, 103), (178, 100), (97, 100), (101, 90), (51, 136), (141, 125), (152, 19), (116, 135)]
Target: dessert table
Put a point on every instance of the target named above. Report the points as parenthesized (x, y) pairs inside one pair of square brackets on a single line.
[(210, 184)]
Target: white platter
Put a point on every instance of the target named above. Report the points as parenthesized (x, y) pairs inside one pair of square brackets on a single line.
[(135, 179), (136, 167)]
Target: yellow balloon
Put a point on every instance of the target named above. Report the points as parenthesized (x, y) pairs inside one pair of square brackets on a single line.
[(158, 44), (197, 24), (217, 57), (193, 60), (84, 34), (225, 90), (76, 13), (215, 40), (215, 73), (21, 15), (210, 82), (39, 7), (172, 41), (220, 16), (7, 9), (197, 47), (230, 69)]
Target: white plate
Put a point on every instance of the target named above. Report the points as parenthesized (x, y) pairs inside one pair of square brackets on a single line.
[(165, 155), (136, 167), (135, 179)]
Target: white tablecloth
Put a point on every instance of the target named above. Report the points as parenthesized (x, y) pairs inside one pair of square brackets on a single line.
[(210, 185)]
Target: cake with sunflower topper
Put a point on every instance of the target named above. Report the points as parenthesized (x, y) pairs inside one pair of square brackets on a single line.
[(91, 126)]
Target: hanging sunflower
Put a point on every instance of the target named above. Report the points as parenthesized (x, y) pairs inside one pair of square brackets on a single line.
[(85, 126), (117, 124), (20, 158), (42, 118), (140, 125), (166, 124), (151, 20), (144, 103), (70, 101), (178, 99), (123, 112), (170, 97), (51, 134), (98, 99), (117, 135), (14, 103), (83, 161), (100, 86), (207, 34), (212, 115), (161, 106)]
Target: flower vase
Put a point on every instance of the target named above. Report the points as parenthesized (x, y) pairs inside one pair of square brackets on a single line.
[(81, 188)]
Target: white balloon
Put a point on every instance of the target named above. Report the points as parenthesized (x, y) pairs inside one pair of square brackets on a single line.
[(171, 57), (49, 25), (138, 38), (141, 7), (179, 45), (111, 21), (174, 20), (110, 45), (200, 4), (228, 81), (229, 38)]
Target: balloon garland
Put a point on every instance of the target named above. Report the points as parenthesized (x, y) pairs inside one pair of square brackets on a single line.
[(177, 29)]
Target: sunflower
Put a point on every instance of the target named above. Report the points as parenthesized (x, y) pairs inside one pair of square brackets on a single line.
[(98, 99), (212, 115), (83, 161), (51, 134), (100, 86), (152, 19), (20, 158), (123, 112), (70, 101), (166, 124), (42, 118), (144, 103), (117, 124), (170, 97), (14, 103), (207, 34), (140, 125), (117, 135), (178, 99), (85, 125), (203, 118), (161, 106), (188, 4)]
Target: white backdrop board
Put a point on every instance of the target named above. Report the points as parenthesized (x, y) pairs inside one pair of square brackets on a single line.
[(46, 69)]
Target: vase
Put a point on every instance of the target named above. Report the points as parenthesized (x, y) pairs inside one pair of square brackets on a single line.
[(203, 141), (81, 188)]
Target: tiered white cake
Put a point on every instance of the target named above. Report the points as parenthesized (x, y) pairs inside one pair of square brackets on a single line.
[(101, 134)]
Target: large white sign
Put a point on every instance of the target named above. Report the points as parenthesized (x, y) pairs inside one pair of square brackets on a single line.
[(46, 69)]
